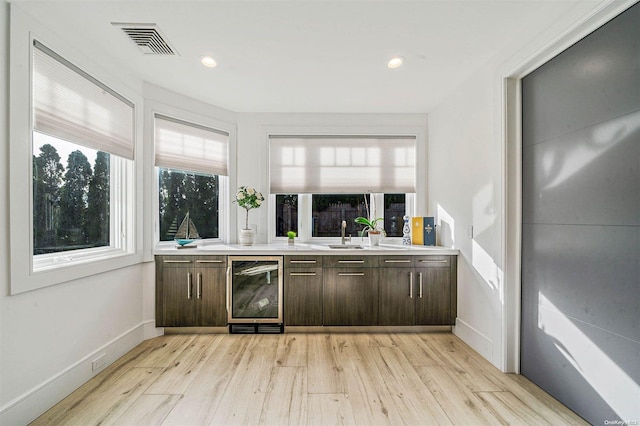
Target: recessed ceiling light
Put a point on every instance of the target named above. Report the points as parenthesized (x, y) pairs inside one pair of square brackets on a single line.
[(208, 61), (395, 62)]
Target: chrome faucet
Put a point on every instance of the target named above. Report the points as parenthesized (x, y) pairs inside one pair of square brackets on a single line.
[(344, 228)]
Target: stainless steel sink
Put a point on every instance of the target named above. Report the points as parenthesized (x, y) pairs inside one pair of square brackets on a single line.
[(345, 246)]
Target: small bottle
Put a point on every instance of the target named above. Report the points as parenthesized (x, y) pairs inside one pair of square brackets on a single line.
[(406, 231)]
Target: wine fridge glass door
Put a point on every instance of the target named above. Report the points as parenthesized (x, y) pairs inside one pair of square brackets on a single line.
[(255, 289)]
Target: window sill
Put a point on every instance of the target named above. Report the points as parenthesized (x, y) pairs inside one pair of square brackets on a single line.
[(52, 261), (24, 277)]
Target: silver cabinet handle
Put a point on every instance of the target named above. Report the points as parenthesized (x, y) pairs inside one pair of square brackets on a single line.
[(397, 261), (350, 261), (199, 285), (210, 261), (351, 274), (188, 285), (410, 285), (433, 261), (176, 261), (420, 288), (302, 261), (302, 274)]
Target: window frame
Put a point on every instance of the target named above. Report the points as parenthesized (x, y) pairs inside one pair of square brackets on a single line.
[(28, 271), (223, 194), (120, 178), (187, 115), (415, 202), (305, 212)]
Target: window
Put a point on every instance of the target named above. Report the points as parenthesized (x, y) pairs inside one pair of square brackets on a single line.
[(319, 181), (329, 210), (82, 150), (181, 192), (71, 204), (191, 162), (286, 214), (395, 208)]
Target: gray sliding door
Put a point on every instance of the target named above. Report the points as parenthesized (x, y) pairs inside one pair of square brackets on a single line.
[(580, 336)]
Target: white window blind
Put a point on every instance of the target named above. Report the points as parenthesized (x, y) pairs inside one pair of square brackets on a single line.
[(71, 105), (342, 164), (187, 146)]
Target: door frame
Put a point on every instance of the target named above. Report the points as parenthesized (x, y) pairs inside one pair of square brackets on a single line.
[(511, 131)]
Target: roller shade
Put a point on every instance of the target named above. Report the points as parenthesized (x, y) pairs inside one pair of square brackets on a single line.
[(342, 164), (70, 104), (187, 146)]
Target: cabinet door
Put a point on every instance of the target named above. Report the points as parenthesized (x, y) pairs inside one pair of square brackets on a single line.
[(433, 303), (303, 296), (178, 297), (350, 296), (397, 296), (210, 297)]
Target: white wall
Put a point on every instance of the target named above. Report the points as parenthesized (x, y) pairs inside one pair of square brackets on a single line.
[(465, 191), (49, 337), (470, 140)]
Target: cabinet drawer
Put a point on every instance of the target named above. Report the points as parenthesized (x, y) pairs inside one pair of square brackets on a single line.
[(302, 261), (219, 261), (396, 261), (176, 261), (301, 273), (350, 261), (433, 261)]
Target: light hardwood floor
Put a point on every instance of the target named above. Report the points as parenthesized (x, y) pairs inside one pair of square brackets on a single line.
[(313, 379)]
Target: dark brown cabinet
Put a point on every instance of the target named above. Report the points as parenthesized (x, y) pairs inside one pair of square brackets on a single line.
[(191, 291), (436, 302), (350, 290), (417, 290), (319, 290), (397, 290), (303, 290)]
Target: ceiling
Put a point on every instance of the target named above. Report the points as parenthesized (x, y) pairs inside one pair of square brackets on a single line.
[(307, 55)]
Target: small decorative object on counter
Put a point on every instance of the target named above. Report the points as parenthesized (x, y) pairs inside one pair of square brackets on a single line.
[(291, 235), (248, 198), (423, 231), (186, 233), (406, 232), (371, 229), (371, 226)]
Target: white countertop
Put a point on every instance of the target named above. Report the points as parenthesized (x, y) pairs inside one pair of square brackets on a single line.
[(283, 248)]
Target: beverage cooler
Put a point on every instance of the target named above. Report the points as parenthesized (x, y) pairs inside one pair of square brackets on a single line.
[(254, 294)]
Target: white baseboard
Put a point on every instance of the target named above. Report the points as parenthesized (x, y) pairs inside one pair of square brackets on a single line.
[(151, 331), (28, 406), (472, 337)]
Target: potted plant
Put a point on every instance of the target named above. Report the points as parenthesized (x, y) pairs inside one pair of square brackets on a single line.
[(291, 235), (248, 198), (371, 227)]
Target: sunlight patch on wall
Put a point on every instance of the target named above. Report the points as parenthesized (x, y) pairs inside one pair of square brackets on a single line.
[(483, 263), (612, 383), (559, 165), (447, 228), (484, 214)]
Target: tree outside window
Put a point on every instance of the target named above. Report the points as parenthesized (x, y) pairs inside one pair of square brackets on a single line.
[(70, 204), (181, 192)]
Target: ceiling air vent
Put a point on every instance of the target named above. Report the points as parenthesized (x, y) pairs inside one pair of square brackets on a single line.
[(147, 37)]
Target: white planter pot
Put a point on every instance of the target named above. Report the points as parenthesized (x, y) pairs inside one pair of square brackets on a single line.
[(246, 237), (374, 238)]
